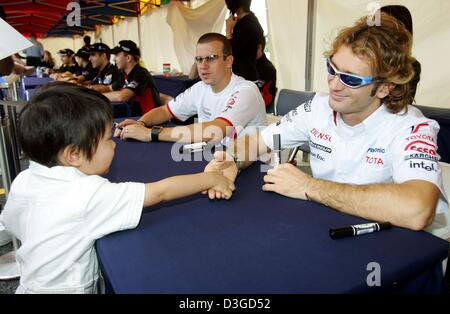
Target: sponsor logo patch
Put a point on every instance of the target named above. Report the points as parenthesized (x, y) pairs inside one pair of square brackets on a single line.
[(320, 147), (323, 136), (421, 147), (307, 106), (423, 165)]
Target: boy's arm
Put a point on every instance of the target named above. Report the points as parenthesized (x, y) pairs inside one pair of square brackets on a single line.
[(181, 186)]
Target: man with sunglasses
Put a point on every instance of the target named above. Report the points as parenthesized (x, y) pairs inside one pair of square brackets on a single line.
[(227, 105), (372, 155)]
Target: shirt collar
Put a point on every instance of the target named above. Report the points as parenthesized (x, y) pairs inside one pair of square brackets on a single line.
[(63, 173), (372, 122)]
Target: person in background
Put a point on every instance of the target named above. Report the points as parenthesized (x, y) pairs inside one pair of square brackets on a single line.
[(403, 15), (109, 78), (139, 86), (69, 65), (267, 77), (86, 71), (61, 205), (48, 62), (245, 33), (34, 53), (87, 41)]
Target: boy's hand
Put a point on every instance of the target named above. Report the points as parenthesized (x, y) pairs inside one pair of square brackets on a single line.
[(225, 166), (223, 188)]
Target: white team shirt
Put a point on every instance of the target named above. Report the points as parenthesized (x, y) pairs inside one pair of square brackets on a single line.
[(384, 148), (58, 213), (240, 104)]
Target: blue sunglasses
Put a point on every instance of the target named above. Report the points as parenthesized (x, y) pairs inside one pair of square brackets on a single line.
[(349, 80)]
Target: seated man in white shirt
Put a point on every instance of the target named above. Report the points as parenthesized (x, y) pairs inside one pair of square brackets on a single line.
[(372, 155), (227, 105)]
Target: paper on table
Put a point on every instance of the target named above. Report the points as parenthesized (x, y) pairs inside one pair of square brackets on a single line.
[(11, 41)]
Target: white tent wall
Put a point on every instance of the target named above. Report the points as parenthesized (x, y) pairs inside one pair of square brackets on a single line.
[(157, 40), (126, 29), (431, 42), (189, 24), (287, 41), (105, 35)]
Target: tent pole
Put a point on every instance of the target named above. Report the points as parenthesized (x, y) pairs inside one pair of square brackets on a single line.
[(310, 43), (112, 31), (139, 31)]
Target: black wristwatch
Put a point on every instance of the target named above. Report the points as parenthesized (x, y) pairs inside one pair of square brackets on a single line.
[(155, 133)]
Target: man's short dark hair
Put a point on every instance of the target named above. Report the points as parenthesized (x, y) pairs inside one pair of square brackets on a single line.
[(59, 115), (234, 5), (87, 40), (209, 37)]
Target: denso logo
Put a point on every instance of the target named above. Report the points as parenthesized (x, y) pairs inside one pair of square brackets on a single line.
[(323, 136), (422, 147)]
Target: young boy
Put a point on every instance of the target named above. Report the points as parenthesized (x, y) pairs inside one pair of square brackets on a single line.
[(60, 205)]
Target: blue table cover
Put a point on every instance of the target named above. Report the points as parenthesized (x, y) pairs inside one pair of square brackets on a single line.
[(257, 242)]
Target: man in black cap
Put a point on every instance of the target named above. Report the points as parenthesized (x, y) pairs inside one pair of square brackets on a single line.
[(86, 72), (69, 65), (139, 85), (108, 78)]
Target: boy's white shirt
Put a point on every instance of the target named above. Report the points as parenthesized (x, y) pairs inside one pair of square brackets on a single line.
[(58, 213)]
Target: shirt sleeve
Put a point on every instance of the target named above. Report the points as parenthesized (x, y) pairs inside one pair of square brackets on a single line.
[(114, 207), (293, 127), (138, 84), (415, 157), (183, 106)]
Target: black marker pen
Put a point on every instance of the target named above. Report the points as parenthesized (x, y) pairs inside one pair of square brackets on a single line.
[(355, 230)]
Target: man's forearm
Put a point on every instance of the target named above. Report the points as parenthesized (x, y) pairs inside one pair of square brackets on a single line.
[(102, 88), (247, 149), (396, 203), (213, 131)]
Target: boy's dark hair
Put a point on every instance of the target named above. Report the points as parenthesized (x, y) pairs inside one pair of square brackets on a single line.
[(60, 115), (209, 37)]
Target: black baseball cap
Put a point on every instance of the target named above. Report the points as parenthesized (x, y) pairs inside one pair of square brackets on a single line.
[(83, 53), (127, 46), (67, 51), (99, 47)]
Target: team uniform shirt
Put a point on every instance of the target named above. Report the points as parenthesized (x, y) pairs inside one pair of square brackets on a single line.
[(140, 81), (384, 148), (240, 105), (58, 213), (110, 75), (88, 72), (74, 68)]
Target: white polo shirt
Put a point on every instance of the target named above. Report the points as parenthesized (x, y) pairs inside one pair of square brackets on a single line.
[(58, 213), (240, 105), (385, 147)]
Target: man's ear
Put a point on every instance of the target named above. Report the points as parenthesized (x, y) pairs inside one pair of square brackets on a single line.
[(71, 156), (384, 90), (229, 60)]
